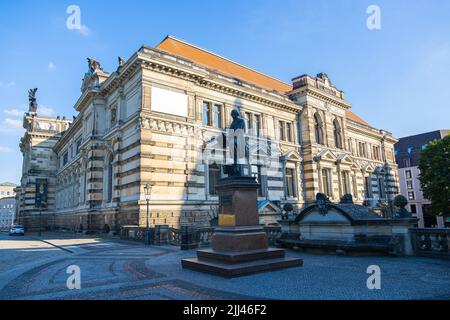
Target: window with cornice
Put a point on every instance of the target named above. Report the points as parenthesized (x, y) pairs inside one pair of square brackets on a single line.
[(290, 182), (257, 124), (212, 114), (289, 131), (326, 182), (345, 182), (206, 113), (113, 116), (337, 134), (281, 130), (318, 128)]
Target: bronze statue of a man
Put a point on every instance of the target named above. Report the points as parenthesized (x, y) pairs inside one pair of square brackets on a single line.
[(237, 129)]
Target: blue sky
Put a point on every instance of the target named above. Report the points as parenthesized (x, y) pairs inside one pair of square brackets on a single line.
[(397, 78)]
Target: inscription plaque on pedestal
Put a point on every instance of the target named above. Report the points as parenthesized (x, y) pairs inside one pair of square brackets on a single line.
[(226, 215)]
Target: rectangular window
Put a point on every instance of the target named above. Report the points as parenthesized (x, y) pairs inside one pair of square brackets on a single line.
[(214, 176), (409, 184), (281, 130), (217, 116), (257, 124), (206, 113), (346, 182), (407, 162), (290, 182), (289, 131), (65, 158), (78, 145), (355, 187), (411, 195), (408, 174), (326, 182), (413, 208)]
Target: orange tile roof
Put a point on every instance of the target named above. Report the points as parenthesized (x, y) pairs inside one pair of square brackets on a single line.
[(233, 69), (223, 65), (354, 117)]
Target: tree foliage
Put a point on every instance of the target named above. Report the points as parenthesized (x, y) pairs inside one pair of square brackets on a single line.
[(434, 165)]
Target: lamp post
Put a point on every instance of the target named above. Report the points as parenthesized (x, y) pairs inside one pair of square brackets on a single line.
[(148, 190), (41, 205)]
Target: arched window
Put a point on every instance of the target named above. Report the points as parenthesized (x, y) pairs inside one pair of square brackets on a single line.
[(109, 178), (337, 134), (318, 128)]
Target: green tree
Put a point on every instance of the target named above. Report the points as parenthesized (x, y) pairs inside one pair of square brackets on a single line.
[(434, 165)]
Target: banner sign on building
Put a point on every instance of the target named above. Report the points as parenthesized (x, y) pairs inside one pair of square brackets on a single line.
[(41, 193)]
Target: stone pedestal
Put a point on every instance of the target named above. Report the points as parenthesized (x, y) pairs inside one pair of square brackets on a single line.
[(239, 244)]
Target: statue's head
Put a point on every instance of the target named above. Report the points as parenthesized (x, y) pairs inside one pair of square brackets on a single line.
[(347, 199), (400, 201), (235, 113)]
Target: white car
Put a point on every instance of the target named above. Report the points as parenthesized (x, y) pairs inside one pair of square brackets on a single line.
[(17, 229)]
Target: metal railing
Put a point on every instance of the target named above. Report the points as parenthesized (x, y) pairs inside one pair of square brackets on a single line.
[(200, 236), (132, 233), (174, 237), (431, 242)]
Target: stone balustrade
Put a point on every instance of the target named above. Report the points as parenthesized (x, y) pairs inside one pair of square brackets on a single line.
[(432, 242)]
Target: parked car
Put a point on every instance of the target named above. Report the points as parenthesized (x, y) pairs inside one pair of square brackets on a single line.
[(17, 229)]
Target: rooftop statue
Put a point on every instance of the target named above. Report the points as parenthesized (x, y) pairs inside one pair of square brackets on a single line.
[(121, 62), (32, 100), (94, 65)]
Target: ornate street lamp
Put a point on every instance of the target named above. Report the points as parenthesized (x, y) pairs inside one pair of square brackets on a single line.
[(148, 191)]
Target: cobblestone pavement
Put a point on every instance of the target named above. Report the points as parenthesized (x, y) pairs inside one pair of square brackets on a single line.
[(111, 269)]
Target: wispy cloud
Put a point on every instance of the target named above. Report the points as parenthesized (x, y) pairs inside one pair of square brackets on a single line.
[(5, 150), (84, 30), (14, 112), (13, 123), (45, 111), (18, 112), (51, 66), (7, 84), (11, 126)]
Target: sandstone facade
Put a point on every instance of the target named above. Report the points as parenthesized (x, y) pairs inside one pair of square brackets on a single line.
[(151, 122)]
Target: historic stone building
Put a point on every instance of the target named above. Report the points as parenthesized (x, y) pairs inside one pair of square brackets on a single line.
[(7, 189), (407, 155), (153, 121)]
